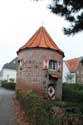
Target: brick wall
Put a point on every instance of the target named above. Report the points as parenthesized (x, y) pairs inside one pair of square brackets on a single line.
[(31, 75), (79, 73)]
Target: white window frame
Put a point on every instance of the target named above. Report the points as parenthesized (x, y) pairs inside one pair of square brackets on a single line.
[(52, 65)]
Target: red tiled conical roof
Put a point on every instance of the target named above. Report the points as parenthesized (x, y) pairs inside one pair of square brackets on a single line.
[(72, 64), (41, 39)]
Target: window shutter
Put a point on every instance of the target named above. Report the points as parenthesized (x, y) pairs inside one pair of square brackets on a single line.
[(59, 66), (45, 64)]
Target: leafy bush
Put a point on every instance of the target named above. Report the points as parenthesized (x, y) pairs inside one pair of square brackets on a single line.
[(8, 85), (47, 112), (73, 93), (34, 108), (73, 96)]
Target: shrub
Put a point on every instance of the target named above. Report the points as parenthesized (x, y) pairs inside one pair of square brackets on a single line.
[(47, 112), (73, 93), (8, 85), (73, 96), (34, 108)]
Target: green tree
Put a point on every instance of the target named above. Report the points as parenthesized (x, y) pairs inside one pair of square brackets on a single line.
[(72, 11)]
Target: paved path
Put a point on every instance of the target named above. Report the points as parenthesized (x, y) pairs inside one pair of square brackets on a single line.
[(7, 114)]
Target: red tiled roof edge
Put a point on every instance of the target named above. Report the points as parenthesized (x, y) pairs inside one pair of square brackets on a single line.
[(41, 39), (72, 64)]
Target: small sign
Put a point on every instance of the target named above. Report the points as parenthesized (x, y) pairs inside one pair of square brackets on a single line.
[(51, 92)]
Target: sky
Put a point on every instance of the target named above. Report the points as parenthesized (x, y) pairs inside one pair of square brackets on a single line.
[(20, 19)]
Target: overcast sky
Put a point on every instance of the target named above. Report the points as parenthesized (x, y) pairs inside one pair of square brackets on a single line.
[(19, 19)]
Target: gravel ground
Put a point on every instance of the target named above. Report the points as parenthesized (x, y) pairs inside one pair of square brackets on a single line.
[(7, 114)]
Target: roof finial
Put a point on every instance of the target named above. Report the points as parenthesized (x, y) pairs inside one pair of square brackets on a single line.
[(42, 23)]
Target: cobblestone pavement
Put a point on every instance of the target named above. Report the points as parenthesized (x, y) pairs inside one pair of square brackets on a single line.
[(7, 114)]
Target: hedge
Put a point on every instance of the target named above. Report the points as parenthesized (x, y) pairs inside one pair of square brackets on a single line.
[(73, 93), (8, 85)]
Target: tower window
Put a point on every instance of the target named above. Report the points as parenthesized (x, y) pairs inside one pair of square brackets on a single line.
[(52, 65)]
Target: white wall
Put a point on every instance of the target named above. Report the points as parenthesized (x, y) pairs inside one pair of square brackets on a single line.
[(9, 74), (65, 72), (74, 78), (1, 74)]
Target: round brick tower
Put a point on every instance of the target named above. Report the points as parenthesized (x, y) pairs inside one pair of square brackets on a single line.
[(40, 66)]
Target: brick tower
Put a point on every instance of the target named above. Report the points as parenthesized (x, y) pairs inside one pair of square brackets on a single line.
[(40, 66)]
